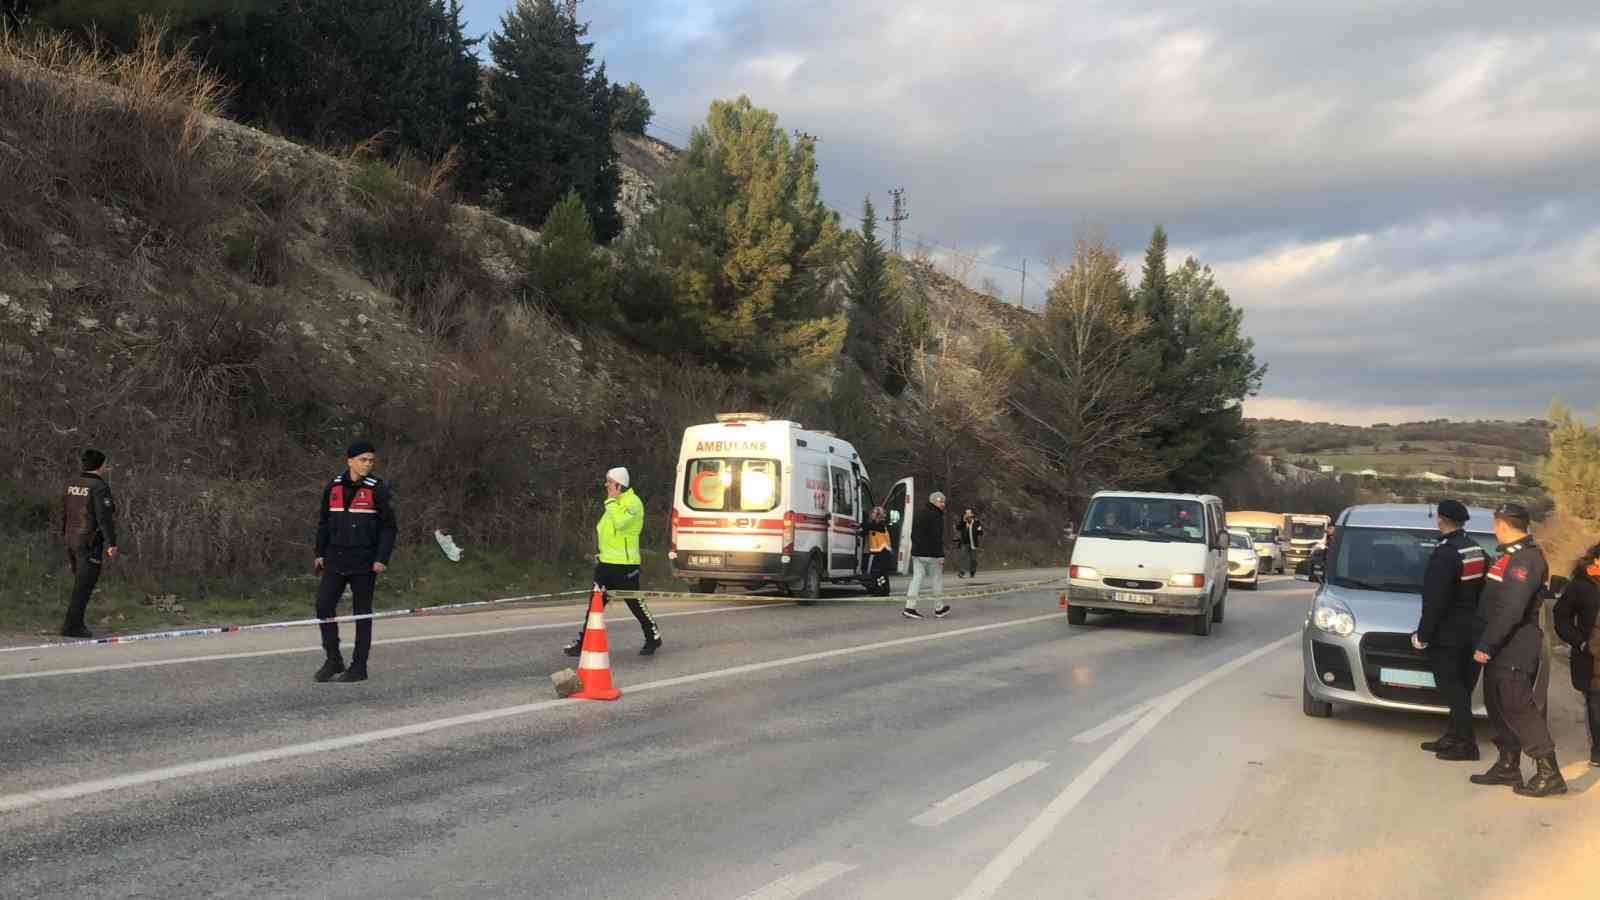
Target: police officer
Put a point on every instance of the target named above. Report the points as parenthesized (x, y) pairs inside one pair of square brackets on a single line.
[(356, 531), (89, 532), (617, 565), (1451, 584), (1509, 642)]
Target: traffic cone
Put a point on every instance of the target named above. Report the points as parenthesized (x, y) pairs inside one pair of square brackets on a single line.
[(1063, 599), (594, 665)]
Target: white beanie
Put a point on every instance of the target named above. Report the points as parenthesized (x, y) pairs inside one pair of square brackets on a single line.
[(619, 475)]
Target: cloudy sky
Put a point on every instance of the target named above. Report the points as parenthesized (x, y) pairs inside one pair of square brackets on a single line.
[(1401, 194)]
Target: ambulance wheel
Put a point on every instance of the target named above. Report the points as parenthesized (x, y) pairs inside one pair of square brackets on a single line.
[(810, 587), (705, 586)]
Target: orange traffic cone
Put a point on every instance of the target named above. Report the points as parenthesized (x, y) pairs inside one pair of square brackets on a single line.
[(594, 665), (1063, 599)]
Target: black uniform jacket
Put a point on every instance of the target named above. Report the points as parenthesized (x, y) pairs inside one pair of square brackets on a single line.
[(356, 524), (969, 534), (88, 513), (1577, 616), (1508, 612), (1451, 585), (927, 532)]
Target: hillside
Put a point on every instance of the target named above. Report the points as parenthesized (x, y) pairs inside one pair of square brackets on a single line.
[(1456, 449), (222, 311)]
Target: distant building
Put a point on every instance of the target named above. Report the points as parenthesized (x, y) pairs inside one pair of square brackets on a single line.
[(1326, 470), (1507, 472)]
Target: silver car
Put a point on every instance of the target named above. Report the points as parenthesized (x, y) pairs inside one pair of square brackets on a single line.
[(1357, 639)]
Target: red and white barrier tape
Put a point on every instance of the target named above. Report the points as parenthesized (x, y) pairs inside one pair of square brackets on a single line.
[(296, 623)]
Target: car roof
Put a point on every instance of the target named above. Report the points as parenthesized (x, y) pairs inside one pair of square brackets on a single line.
[(1409, 515), (1143, 495)]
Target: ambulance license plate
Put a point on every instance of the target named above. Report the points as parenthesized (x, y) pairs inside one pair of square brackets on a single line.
[(1406, 678), (1143, 599), (705, 560)]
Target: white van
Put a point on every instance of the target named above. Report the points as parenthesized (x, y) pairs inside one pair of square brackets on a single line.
[(763, 502), (1152, 554)]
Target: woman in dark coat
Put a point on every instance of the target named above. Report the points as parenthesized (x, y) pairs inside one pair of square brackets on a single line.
[(1577, 616), (880, 553)]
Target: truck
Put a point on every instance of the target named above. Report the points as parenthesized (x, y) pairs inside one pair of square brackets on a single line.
[(1267, 533), (1305, 533), (760, 502)]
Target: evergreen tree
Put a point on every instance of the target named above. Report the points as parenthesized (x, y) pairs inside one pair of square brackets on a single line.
[(548, 128), (747, 244), (1572, 470), (630, 109), (869, 339), (566, 271), (1152, 296)]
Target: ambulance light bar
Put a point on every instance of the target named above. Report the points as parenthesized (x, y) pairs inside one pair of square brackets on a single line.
[(742, 417)]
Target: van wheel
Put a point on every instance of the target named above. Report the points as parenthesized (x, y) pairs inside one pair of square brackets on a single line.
[(810, 588), (1200, 626), (705, 586), (1077, 615), (1216, 611), (1311, 706)]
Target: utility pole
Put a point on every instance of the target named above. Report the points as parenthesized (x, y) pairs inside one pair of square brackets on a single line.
[(1022, 301), (900, 215)]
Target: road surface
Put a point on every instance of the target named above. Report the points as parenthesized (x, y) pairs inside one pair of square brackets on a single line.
[(769, 751)]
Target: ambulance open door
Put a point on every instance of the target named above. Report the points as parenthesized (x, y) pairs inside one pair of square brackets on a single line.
[(900, 505)]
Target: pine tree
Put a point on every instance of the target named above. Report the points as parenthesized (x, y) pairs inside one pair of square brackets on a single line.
[(566, 271), (548, 128), (630, 109), (870, 337)]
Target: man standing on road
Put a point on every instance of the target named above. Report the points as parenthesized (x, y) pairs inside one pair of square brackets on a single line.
[(969, 534), (89, 532), (618, 562), (927, 556), (356, 530), (1450, 587), (1509, 642)]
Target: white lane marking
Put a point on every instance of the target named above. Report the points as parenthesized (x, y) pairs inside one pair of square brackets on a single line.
[(964, 800), (10, 802), (1111, 725), (800, 883), (250, 654), (1002, 867)]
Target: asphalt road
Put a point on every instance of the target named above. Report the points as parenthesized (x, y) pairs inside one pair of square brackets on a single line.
[(769, 751)]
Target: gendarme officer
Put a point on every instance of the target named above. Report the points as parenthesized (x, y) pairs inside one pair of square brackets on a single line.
[(89, 532), (1509, 642), (1451, 585), (355, 535)]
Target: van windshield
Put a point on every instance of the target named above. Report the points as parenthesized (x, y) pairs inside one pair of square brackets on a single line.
[(732, 485), (1387, 559), (1306, 531), (1263, 535), (1145, 519)]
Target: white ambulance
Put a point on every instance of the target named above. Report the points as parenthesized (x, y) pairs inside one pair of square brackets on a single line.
[(761, 502)]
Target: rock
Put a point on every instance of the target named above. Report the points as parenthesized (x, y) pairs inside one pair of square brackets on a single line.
[(566, 682)]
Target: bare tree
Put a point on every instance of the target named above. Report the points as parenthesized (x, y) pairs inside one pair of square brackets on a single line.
[(1087, 396)]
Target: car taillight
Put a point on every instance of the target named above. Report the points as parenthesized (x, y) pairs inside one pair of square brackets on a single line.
[(788, 532), (674, 530)]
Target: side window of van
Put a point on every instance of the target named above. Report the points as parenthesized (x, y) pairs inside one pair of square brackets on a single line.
[(844, 490)]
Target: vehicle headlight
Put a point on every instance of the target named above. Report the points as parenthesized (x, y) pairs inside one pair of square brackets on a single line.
[(1084, 573), (1187, 580), (1333, 616)]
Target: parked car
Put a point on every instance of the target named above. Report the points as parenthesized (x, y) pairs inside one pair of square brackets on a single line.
[(1151, 554), (1243, 563), (1356, 644)]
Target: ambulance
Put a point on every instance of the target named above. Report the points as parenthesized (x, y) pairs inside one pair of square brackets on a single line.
[(760, 502)]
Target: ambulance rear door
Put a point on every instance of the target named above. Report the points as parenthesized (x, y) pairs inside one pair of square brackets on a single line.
[(900, 504)]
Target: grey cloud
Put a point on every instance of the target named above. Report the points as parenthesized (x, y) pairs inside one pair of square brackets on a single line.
[(1455, 140)]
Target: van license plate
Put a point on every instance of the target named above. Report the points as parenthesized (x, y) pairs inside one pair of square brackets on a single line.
[(1143, 599), (712, 561), (1406, 678)]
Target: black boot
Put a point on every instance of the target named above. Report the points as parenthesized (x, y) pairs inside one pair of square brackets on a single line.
[(1507, 770), (329, 669), (1458, 749), (1438, 743), (574, 649), (1546, 779), (651, 644), (356, 672)]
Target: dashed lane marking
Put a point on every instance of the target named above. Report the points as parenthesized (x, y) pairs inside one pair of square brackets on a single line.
[(799, 884), (25, 799), (1002, 867), (964, 800)]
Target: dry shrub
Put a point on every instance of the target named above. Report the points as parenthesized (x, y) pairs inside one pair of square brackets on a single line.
[(205, 527), (1564, 538), (85, 128)]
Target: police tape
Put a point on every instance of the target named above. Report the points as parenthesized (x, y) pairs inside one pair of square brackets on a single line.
[(773, 599), (294, 623), (972, 594)]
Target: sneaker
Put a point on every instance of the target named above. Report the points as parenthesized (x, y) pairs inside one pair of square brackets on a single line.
[(961, 574), (573, 649), (649, 648), (354, 673), (910, 613), (942, 611), (1595, 761), (329, 669)]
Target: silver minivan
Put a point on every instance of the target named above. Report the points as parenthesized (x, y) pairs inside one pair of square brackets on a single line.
[(1356, 644)]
